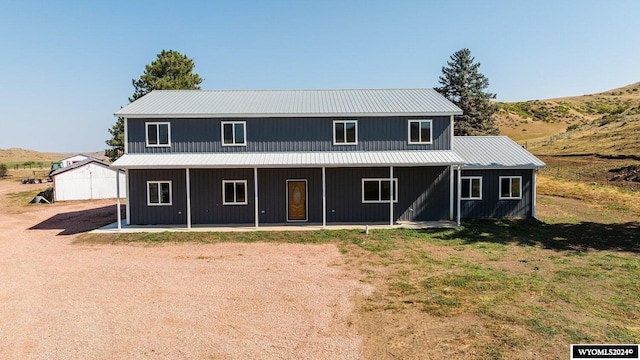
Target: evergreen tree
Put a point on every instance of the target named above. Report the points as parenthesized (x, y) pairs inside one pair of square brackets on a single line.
[(465, 86), (169, 71)]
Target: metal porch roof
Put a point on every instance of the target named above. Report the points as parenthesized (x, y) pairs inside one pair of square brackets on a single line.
[(284, 160), (489, 152), (289, 103)]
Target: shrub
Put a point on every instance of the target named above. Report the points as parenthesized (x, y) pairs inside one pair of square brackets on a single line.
[(3, 170)]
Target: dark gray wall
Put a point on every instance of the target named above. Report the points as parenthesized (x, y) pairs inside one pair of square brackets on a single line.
[(272, 194), (490, 206), (206, 197), (289, 134), (141, 214), (423, 194)]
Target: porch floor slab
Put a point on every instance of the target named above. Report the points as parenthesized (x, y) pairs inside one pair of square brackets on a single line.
[(113, 228)]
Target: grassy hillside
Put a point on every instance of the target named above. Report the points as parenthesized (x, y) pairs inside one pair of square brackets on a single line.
[(17, 155), (604, 123)]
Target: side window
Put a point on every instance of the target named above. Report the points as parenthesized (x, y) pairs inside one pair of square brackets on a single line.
[(510, 187), (234, 133), (379, 190), (158, 133), (234, 192), (420, 131), (471, 188), (345, 132), (158, 193)]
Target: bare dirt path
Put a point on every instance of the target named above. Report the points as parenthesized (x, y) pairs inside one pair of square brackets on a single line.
[(60, 300)]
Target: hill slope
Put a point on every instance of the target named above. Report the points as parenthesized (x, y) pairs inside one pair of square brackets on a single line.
[(605, 123), (16, 155)]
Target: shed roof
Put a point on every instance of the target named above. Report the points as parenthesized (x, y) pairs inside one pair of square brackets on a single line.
[(78, 164), (288, 159), (487, 152), (289, 103)]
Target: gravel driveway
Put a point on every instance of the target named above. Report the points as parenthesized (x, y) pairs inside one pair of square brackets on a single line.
[(60, 300)]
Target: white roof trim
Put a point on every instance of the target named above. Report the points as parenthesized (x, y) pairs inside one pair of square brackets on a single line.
[(281, 115), (288, 160)]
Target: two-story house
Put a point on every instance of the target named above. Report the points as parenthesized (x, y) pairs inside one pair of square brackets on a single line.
[(363, 156)]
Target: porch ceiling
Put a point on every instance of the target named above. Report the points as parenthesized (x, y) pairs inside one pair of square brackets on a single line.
[(292, 159)]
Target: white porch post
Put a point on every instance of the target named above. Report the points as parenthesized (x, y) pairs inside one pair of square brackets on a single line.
[(452, 174), (324, 197), (188, 199), (127, 207), (255, 195), (459, 193), (119, 216), (391, 193), (533, 193)]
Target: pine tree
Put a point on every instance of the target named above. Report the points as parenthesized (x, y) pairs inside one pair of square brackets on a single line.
[(465, 86), (169, 71)]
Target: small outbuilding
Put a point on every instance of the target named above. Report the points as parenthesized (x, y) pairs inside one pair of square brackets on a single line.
[(68, 161), (86, 180)]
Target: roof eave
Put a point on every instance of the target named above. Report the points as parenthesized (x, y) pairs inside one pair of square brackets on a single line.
[(279, 115)]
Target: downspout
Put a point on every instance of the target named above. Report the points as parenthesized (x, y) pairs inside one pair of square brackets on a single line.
[(534, 193)]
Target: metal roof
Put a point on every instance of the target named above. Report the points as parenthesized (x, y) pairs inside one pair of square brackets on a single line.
[(284, 160), (289, 103), (488, 152), (78, 164)]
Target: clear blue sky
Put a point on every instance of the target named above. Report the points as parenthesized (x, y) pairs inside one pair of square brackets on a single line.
[(66, 66)]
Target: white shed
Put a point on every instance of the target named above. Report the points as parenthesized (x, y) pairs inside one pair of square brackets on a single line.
[(85, 180), (68, 161)]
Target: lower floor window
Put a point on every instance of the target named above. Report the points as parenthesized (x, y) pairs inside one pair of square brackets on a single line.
[(234, 192), (379, 190), (471, 188), (158, 193), (510, 187)]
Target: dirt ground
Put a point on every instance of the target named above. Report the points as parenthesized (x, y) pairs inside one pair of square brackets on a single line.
[(62, 300)]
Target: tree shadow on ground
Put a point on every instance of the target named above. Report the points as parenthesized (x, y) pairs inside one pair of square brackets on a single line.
[(576, 237), (76, 222)]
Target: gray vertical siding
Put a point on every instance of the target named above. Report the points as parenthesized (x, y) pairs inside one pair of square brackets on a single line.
[(272, 194), (206, 197), (491, 206), (289, 134), (141, 213), (423, 194)]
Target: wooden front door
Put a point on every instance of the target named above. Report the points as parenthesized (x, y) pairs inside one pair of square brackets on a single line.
[(296, 200)]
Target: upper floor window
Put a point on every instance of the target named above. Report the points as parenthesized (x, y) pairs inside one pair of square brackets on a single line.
[(234, 192), (158, 193), (379, 190), (510, 187), (345, 132), (420, 131), (158, 133), (471, 188), (234, 133)]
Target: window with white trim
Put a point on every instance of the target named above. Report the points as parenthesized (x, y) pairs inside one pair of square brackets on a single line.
[(158, 133), (345, 132), (510, 187), (378, 190), (234, 133), (471, 188), (158, 193), (420, 131), (234, 192)]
